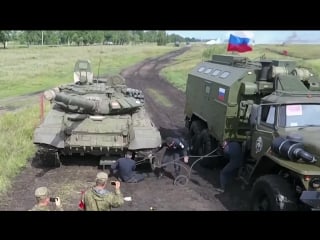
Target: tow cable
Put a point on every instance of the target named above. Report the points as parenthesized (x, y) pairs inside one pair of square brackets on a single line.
[(183, 179)]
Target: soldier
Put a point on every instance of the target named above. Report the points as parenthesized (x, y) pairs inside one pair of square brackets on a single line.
[(175, 149), (231, 150), (43, 200), (98, 198), (126, 166)]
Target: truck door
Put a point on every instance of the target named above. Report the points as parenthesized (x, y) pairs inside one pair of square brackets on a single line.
[(262, 135), (205, 106)]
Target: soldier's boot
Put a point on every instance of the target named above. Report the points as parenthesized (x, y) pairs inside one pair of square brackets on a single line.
[(161, 173)]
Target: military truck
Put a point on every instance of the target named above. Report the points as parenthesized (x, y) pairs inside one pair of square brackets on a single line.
[(95, 117), (272, 109)]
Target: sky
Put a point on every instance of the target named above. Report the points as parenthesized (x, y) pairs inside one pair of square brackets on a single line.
[(260, 37)]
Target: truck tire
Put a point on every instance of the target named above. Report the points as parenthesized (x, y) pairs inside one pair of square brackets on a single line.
[(206, 144), (194, 133), (273, 193)]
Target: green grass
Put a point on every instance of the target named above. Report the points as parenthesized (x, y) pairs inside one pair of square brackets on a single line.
[(16, 146), (25, 70), (177, 72), (163, 100)]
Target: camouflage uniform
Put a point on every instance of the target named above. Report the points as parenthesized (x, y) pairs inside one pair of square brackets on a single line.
[(42, 193), (40, 208), (44, 208), (102, 199)]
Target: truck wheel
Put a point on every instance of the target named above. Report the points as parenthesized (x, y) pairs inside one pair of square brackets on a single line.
[(204, 143), (194, 132), (195, 128), (273, 193)]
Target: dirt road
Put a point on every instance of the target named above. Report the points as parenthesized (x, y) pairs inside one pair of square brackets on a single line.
[(68, 180)]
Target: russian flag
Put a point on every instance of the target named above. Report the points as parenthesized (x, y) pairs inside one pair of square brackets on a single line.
[(240, 42), (221, 94)]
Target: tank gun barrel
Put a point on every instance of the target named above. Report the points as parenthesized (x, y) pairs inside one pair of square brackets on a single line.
[(88, 105), (76, 101)]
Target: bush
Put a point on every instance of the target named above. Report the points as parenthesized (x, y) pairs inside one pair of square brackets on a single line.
[(215, 49)]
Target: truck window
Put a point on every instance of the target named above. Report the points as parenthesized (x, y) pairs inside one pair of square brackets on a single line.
[(207, 89), (208, 70), (267, 114), (299, 115), (216, 72), (224, 74), (201, 69)]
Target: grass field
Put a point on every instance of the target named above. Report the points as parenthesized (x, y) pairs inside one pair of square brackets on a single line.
[(25, 70), (16, 146)]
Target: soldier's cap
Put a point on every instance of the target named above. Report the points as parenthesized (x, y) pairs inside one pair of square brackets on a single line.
[(41, 192), (169, 140), (102, 176)]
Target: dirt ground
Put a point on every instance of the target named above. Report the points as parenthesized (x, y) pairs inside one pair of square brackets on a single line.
[(72, 177)]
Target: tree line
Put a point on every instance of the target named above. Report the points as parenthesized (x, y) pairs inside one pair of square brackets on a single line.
[(84, 38)]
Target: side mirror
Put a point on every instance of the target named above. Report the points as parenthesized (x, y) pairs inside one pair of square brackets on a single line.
[(255, 115)]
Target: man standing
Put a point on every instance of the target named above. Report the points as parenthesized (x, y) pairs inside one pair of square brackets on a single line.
[(125, 167), (233, 151), (98, 198), (175, 149), (43, 200)]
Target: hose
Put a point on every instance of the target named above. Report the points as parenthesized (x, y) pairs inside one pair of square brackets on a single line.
[(184, 179)]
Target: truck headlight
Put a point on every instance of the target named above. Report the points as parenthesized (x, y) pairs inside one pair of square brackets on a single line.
[(315, 183)]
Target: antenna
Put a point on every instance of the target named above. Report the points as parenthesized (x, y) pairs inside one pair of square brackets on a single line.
[(99, 68)]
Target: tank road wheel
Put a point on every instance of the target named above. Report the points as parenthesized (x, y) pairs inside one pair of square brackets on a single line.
[(273, 193), (48, 157), (194, 132), (56, 161)]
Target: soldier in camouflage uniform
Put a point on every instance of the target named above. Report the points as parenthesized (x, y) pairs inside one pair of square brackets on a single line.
[(98, 198), (43, 200)]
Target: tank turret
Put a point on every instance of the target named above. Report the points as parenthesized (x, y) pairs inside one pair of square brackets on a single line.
[(101, 105)]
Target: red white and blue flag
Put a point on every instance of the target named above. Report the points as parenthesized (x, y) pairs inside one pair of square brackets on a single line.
[(221, 94), (240, 42)]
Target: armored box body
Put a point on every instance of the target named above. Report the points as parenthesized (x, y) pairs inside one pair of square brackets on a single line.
[(214, 91)]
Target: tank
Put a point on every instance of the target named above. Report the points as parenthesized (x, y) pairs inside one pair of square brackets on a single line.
[(95, 117)]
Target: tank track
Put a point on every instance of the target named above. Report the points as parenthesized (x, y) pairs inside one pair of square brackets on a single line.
[(48, 156)]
